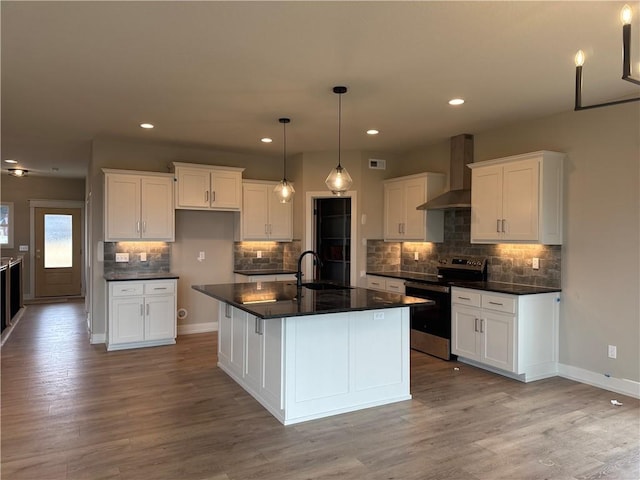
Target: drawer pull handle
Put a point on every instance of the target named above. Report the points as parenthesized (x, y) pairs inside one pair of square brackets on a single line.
[(496, 303), (498, 225), (159, 288), (464, 298)]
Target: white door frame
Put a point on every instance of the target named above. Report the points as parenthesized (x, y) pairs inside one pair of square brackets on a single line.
[(33, 204), (309, 228)]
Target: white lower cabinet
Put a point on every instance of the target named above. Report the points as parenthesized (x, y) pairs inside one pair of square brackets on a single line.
[(516, 335), (385, 284), (242, 278), (141, 314)]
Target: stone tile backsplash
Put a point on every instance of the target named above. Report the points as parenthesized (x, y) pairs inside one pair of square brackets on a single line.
[(158, 257), (505, 262), (274, 255)]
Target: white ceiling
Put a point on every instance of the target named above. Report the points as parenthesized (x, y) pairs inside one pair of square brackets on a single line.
[(220, 74)]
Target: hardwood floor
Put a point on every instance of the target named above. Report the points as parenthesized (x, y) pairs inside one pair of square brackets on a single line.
[(71, 410)]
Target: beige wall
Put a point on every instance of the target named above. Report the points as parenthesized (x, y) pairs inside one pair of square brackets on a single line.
[(20, 191), (601, 251)]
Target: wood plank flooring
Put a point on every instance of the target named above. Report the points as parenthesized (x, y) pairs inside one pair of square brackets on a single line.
[(71, 410)]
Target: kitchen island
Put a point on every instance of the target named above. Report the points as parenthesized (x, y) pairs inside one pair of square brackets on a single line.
[(314, 351)]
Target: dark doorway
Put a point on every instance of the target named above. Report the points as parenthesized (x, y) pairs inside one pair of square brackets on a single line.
[(333, 239)]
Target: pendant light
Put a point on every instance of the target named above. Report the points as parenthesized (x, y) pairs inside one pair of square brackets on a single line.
[(339, 179), (284, 190)]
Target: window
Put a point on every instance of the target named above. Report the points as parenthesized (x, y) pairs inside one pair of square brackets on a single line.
[(6, 224)]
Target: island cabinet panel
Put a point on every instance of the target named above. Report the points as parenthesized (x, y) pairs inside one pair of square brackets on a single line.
[(283, 362)]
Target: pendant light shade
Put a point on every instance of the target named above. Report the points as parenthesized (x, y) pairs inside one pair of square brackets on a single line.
[(339, 180), (284, 190)]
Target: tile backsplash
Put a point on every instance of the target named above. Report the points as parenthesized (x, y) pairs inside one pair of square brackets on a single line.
[(158, 257), (505, 262), (274, 255)]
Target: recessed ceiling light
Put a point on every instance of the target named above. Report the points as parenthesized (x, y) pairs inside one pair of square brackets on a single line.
[(266, 140), (456, 101), (146, 125), (11, 161), (372, 131)]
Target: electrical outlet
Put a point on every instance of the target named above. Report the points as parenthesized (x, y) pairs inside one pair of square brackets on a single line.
[(122, 257), (200, 256), (143, 256), (416, 256), (259, 253), (535, 263), (613, 351), (24, 248), (378, 315)]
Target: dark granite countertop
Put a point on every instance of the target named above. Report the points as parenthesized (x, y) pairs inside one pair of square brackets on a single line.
[(265, 272), (8, 262), (282, 299), (132, 276), (511, 288), (500, 287)]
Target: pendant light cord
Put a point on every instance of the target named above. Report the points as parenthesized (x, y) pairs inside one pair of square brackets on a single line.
[(339, 126), (284, 136)]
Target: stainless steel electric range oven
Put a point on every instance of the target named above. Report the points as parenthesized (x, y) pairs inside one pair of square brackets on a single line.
[(431, 325)]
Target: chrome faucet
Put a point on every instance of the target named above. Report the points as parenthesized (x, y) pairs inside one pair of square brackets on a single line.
[(299, 272)]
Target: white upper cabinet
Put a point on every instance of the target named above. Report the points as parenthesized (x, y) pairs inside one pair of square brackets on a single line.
[(138, 206), (517, 199), (402, 222), (207, 187), (263, 216)]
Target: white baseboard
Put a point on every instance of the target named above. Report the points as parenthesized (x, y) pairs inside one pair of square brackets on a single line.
[(98, 338), (191, 328), (618, 385)]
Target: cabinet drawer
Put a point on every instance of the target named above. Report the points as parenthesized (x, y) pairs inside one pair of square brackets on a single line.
[(126, 289), (498, 303), (375, 283), (152, 288), (465, 298), (396, 286)]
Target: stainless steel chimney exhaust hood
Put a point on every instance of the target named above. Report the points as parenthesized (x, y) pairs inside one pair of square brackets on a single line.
[(459, 195)]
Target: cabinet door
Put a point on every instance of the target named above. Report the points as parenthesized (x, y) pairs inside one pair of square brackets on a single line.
[(127, 320), (226, 190), (238, 340), (225, 334), (497, 332), (160, 317), (192, 188), (253, 366), (255, 212), (520, 200), (464, 332), (157, 208), (272, 379), (414, 227), (280, 218), (122, 207), (394, 195), (486, 204)]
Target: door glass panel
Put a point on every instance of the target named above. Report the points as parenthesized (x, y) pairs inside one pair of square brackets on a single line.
[(58, 241)]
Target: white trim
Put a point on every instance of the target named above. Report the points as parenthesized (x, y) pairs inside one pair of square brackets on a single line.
[(191, 328), (98, 338), (618, 385), (33, 204), (309, 237)]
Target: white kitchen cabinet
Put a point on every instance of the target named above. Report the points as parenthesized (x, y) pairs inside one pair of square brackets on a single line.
[(263, 216), (207, 187), (402, 222), (385, 284), (251, 348), (517, 199), (141, 314), (138, 206), (515, 335)]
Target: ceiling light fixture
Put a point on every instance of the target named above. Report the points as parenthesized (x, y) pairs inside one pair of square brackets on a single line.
[(372, 131), (456, 101), (284, 190), (625, 17), (148, 126), (266, 140), (339, 179), (11, 161), (18, 172)]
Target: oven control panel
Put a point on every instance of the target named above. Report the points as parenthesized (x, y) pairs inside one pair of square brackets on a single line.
[(463, 263)]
